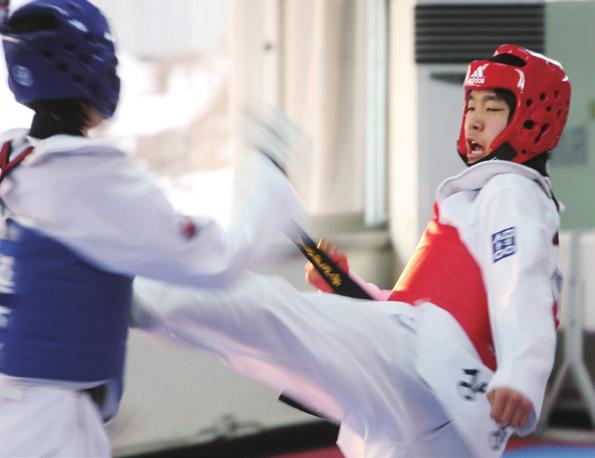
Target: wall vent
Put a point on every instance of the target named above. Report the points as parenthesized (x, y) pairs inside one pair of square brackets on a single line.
[(460, 33)]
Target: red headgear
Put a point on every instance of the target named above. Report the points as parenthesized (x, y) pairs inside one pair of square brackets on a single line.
[(542, 92)]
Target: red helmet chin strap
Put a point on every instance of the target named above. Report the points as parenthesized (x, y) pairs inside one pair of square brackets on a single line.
[(542, 96)]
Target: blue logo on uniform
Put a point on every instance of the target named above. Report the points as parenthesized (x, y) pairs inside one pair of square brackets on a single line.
[(503, 244)]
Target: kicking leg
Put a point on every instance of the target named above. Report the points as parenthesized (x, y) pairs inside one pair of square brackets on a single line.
[(351, 360)]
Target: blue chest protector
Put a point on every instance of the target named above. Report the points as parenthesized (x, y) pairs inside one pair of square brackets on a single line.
[(63, 319)]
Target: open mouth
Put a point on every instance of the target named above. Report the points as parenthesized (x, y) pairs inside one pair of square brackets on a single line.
[(476, 151), (475, 148)]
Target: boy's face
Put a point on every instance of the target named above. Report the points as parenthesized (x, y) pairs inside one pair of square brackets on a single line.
[(487, 116)]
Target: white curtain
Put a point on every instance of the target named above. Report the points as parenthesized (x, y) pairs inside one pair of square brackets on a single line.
[(317, 48)]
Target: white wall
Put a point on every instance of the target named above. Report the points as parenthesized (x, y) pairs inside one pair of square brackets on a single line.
[(171, 29), (406, 222)]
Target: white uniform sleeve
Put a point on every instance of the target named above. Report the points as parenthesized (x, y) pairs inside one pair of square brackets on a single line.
[(112, 214), (516, 229)]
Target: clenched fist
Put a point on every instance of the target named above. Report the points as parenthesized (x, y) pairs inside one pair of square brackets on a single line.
[(509, 407), (312, 275)]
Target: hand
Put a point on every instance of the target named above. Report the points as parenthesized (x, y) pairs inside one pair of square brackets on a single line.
[(509, 407), (271, 133), (312, 275)]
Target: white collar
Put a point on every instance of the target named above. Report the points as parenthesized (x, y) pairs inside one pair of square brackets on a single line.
[(477, 175), (62, 144)]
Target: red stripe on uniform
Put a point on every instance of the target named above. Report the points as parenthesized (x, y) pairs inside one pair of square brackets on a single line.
[(443, 271)]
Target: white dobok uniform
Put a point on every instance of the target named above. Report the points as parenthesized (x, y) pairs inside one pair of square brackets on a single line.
[(403, 378), (106, 218)]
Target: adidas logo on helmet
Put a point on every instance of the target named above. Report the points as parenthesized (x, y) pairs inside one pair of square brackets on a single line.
[(477, 76)]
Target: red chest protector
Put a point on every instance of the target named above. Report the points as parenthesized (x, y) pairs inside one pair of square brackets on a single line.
[(442, 271)]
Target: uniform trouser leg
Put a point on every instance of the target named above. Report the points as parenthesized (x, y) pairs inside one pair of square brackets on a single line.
[(43, 420), (351, 360)]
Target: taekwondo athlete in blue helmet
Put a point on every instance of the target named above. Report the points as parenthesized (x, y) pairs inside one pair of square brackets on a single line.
[(80, 221)]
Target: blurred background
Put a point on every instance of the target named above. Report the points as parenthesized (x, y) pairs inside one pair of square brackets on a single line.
[(377, 87)]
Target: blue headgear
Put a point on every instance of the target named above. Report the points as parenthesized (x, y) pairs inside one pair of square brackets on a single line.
[(58, 49)]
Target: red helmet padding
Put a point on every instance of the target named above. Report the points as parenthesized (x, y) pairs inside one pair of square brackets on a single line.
[(542, 93)]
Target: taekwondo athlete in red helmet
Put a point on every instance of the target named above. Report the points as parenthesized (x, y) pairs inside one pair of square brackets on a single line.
[(80, 220), (455, 358)]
